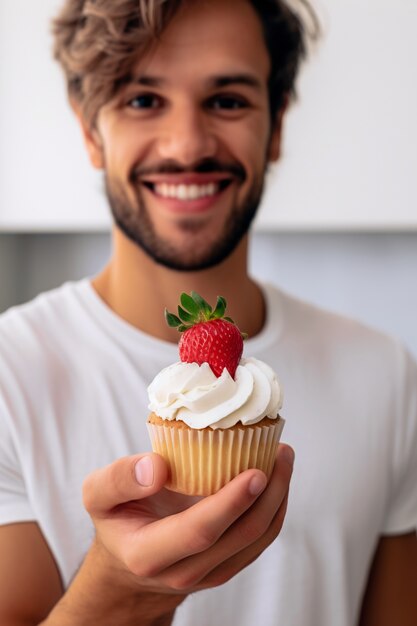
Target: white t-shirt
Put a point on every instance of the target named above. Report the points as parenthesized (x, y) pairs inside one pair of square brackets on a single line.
[(73, 379)]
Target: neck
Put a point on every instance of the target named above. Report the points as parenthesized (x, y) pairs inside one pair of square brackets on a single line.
[(138, 290)]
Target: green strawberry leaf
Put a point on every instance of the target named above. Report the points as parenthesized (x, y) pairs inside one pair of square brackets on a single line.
[(189, 304), (203, 306), (186, 317), (172, 320), (220, 308), (195, 310)]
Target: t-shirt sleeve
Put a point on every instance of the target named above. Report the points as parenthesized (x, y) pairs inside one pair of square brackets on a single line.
[(402, 506), (14, 503)]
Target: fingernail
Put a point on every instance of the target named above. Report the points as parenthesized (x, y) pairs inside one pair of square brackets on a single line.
[(144, 471), (257, 485), (287, 455)]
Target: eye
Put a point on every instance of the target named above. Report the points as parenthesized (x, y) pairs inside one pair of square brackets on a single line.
[(224, 102), (145, 101)]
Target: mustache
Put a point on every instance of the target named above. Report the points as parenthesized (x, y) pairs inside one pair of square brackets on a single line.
[(206, 166)]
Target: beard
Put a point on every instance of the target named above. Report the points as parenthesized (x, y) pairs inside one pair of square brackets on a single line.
[(134, 220)]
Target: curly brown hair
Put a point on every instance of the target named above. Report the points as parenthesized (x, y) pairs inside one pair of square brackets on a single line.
[(97, 43)]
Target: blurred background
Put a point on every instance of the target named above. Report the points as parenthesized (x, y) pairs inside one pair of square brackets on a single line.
[(338, 224)]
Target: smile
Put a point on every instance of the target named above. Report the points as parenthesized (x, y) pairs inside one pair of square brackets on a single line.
[(188, 192)]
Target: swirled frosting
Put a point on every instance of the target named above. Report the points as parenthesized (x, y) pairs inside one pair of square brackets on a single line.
[(193, 394)]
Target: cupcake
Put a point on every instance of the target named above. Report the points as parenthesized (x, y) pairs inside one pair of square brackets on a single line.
[(213, 414)]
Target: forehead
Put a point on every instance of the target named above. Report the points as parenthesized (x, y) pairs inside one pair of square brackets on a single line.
[(209, 37)]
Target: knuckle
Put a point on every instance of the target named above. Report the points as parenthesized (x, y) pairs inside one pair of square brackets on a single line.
[(252, 530), (180, 581), (278, 522), (110, 479), (115, 479), (235, 507), (264, 542), (220, 577), (139, 568), (201, 539), (88, 492)]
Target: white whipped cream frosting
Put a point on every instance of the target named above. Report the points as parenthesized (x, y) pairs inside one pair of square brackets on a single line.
[(193, 394)]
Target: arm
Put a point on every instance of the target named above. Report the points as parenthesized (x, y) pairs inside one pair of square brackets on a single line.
[(153, 547), (29, 579), (391, 593)]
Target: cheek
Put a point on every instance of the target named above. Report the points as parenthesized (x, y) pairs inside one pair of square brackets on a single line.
[(120, 145), (250, 145)]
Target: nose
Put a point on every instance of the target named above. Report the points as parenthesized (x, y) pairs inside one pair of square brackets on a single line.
[(187, 137)]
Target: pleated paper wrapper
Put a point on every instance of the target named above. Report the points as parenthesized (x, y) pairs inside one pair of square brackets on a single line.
[(203, 461)]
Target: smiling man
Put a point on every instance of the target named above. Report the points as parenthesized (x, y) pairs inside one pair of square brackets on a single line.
[(181, 105), (186, 141)]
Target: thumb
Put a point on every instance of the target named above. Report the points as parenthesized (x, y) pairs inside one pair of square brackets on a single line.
[(129, 478)]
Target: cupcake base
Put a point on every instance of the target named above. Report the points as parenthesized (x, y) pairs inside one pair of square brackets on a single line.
[(203, 461)]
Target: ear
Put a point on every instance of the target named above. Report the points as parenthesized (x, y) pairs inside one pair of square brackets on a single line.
[(91, 138), (274, 151)]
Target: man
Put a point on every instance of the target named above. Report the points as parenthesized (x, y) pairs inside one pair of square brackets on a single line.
[(184, 125)]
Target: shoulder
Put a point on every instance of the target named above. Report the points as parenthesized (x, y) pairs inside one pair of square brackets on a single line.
[(322, 326), (38, 331), (339, 346), (48, 304), (42, 315)]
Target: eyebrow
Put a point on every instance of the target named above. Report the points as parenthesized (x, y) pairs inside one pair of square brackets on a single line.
[(226, 80), (236, 79)]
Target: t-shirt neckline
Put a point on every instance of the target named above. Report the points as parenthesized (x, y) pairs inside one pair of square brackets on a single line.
[(269, 334)]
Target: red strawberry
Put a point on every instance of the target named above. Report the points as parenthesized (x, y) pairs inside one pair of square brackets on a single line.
[(208, 337)]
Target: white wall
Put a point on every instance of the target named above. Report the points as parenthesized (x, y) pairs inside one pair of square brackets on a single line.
[(350, 151)]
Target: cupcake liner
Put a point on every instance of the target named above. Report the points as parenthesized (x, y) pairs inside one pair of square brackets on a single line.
[(203, 461)]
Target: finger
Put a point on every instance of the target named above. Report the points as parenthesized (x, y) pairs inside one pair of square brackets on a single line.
[(129, 478), (261, 523), (246, 538), (229, 568), (195, 529)]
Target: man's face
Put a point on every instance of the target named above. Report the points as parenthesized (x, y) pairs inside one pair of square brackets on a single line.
[(185, 145)]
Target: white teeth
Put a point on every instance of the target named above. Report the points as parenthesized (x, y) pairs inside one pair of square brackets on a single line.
[(186, 192)]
